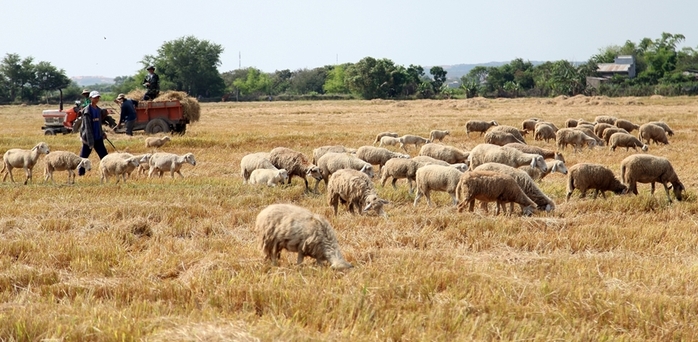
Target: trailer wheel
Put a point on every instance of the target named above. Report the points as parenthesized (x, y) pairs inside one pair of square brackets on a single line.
[(49, 132), (156, 126)]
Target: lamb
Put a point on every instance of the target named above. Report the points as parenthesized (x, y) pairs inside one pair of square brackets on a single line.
[(529, 125), (268, 177), (485, 153), (644, 168), (156, 142), (626, 125), (389, 141), (590, 132), (501, 138), (320, 151), (446, 153), (398, 168), (608, 132), (574, 137), (143, 159), (651, 132), (26, 159), (354, 189), (663, 125), (553, 166), (333, 162), (488, 186), (380, 136), (524, 181), (115, 165), (161, 162), (64, 161), (296, 163), (412, 140), (518, 134), (585, 176), (544, 132), (254, 161), (438, 135), (478, 126), (296, 229), (626, 140), (436, 178), (547, 154), (600, 127), (378, 155), (611, 120)]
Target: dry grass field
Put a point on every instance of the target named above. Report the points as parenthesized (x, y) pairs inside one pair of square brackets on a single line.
[(178, 260)]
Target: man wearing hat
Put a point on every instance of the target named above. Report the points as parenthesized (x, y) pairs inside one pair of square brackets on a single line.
[(128, 112), (152, 84), (86, 98), (91, 132)]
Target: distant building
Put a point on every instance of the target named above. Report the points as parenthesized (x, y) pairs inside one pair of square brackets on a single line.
[(623, 65)]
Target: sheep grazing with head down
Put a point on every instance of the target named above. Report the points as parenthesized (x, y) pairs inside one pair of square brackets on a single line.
[(412, 140), (399, 168), (478, 126), (296, 229), (296, 163), (585, 176), (525, 181), (320, 151), (26, 159), (156, 142), (570, 123), (611, 120), (601, 127), (354, 189), (626, 125), (332, 162), (501, 138), (488, 186), (380, 136), (589, 130), (438, 135), (553, 166), (664, 126), (574, 137), (517, 133), (378, 155), (65, 161), (446, 153), (544, 132), (644, 168), (608, 132), (529, 125), (268, 177), (651, 132), (389, 141), (254, 161), (436, 178), (545, 153), (485, 153), (161, 162), (626, 140)]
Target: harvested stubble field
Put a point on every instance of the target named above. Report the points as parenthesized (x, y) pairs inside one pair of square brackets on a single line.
[(165, 259)]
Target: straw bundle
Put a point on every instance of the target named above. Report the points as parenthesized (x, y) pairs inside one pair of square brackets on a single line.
[(190, 106)]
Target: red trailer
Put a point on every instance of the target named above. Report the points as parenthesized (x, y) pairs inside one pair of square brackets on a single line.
[(159, 117)]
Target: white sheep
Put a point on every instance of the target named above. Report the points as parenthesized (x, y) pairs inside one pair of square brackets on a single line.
[(446, 153), (611, 120), (438, 135), (545, 153), (116, 165), (544, 132), (268, 177), (161, 162), (500, 138), (436, 178), (333, 162), (415, 140), (599, 128), (574, 137), (529, 125), (546, 123), (553, 166), (608, 132), (663, 125), (589, 130), (488, 186), (389, 141), (156, 142), (399, 168), (478, 126), (644, 168), (26, 159), (626, 125), (651, 132), (426, 160), (378, 155), (525, 181), (484, 153), (626, 140), (356, 190), (320, 151), (380, 136), (296, 229), (296, 163), (585, 176), (143, 166), (64, 161), (517, 133), (254, 161)]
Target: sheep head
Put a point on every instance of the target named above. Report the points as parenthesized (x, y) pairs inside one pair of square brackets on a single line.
[(189, 158), (368, 170), (314, 172), (538, 162), (559, 166), (678, 190), (84, 163), (375, 203), (42, 147)]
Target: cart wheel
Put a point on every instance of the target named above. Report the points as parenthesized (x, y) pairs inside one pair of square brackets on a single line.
[(157, 126), (49, 132)]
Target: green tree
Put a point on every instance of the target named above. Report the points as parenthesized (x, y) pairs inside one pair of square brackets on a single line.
[(439, 75), (19, 75), (280, 81), (335, 82), (50, 78), (306, 81), (256, 83), (415, 77), (371, 78)]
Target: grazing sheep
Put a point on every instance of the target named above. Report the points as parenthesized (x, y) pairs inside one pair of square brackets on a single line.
[(488, 186), (143, 159), (626, 125), (574, 137), (436, 178), (389, 141), (600, 128), (296, 163), (590, 132), (320, 151), (517, 133), (115, 165), (644, 168), (296, 229), (378, 155), (501, 138), (26, 159), (161, 162), (608, 132), (585, 176), (663, 125), (552, 125), (354, 189), (156, 142), (547, 154), (438, 135), (446, 153), (380, 136), (426, 160), (254, 161), (478, 126), (544, 132), (569, 123), (611, 120), (412, 140), (529, 125), (626, 140), (524, 181), (332, 162), (399, 168), (268, 177), (484, 153), (651, 132), (64, 161), (553, 166), (589, 127)]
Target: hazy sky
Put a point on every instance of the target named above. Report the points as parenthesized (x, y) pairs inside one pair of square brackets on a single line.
[(276, 35)]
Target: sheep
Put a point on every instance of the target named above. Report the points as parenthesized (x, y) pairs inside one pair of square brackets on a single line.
[(524, 181), (553, 166), (569, 123), (378, 155), (611, 120), (254, 161), (651, 132), (644, 168), (529, 125), (500, 138), (64, 161), (663, 125), (333, 162), (438, 135), (626, 140), (161, 162), (541, 123), (296, 163), (573, 137), (600, 127), (26, 159), (389, 141), (426, 160), (355, 189), (478, 126), (484, 153), (446, 153), (547, 154), (268, 177), (380, 136), (143, 162), (320, 151), (585, 176), (115, 165), (488, 186), (517, 133), (398, 168), (588, 126), (544, 132), (436, 178), (608, 132), (590, 132), (156, 142), (412, 140), (296, 229), (626, 125)]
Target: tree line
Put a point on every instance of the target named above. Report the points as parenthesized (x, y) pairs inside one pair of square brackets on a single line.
[(191, 65)]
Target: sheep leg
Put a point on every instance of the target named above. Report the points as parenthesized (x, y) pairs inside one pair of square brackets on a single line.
[(652, 188), (28, 173), (666, 189), (179, 172), (596, 193), (417, 197), (150, 173), (584, 193), (496, 211), (409, 182), (300, 258), (317, 182), (334, 202), (603, 194), (428, 197)]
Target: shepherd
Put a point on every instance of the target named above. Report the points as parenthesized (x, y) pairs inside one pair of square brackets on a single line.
[(152, 84)]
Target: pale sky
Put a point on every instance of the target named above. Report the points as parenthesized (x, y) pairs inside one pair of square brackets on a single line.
[(277, 35)]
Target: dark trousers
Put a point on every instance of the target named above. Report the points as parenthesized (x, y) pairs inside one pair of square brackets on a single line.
[(86, 150), (129, 126), (151, 95)]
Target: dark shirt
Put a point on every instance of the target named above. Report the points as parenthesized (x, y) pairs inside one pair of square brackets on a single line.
[(154, 81), (128, 110), (96, 116)]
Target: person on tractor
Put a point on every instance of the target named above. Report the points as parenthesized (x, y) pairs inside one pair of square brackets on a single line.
[(128, 113), (86, 101), (152, 84)]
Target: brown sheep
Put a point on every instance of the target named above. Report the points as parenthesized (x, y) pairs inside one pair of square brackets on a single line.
[(586, 176)]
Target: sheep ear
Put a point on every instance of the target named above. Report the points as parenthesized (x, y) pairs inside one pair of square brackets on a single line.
[(384, 201), (554, 168), (533, 162)]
